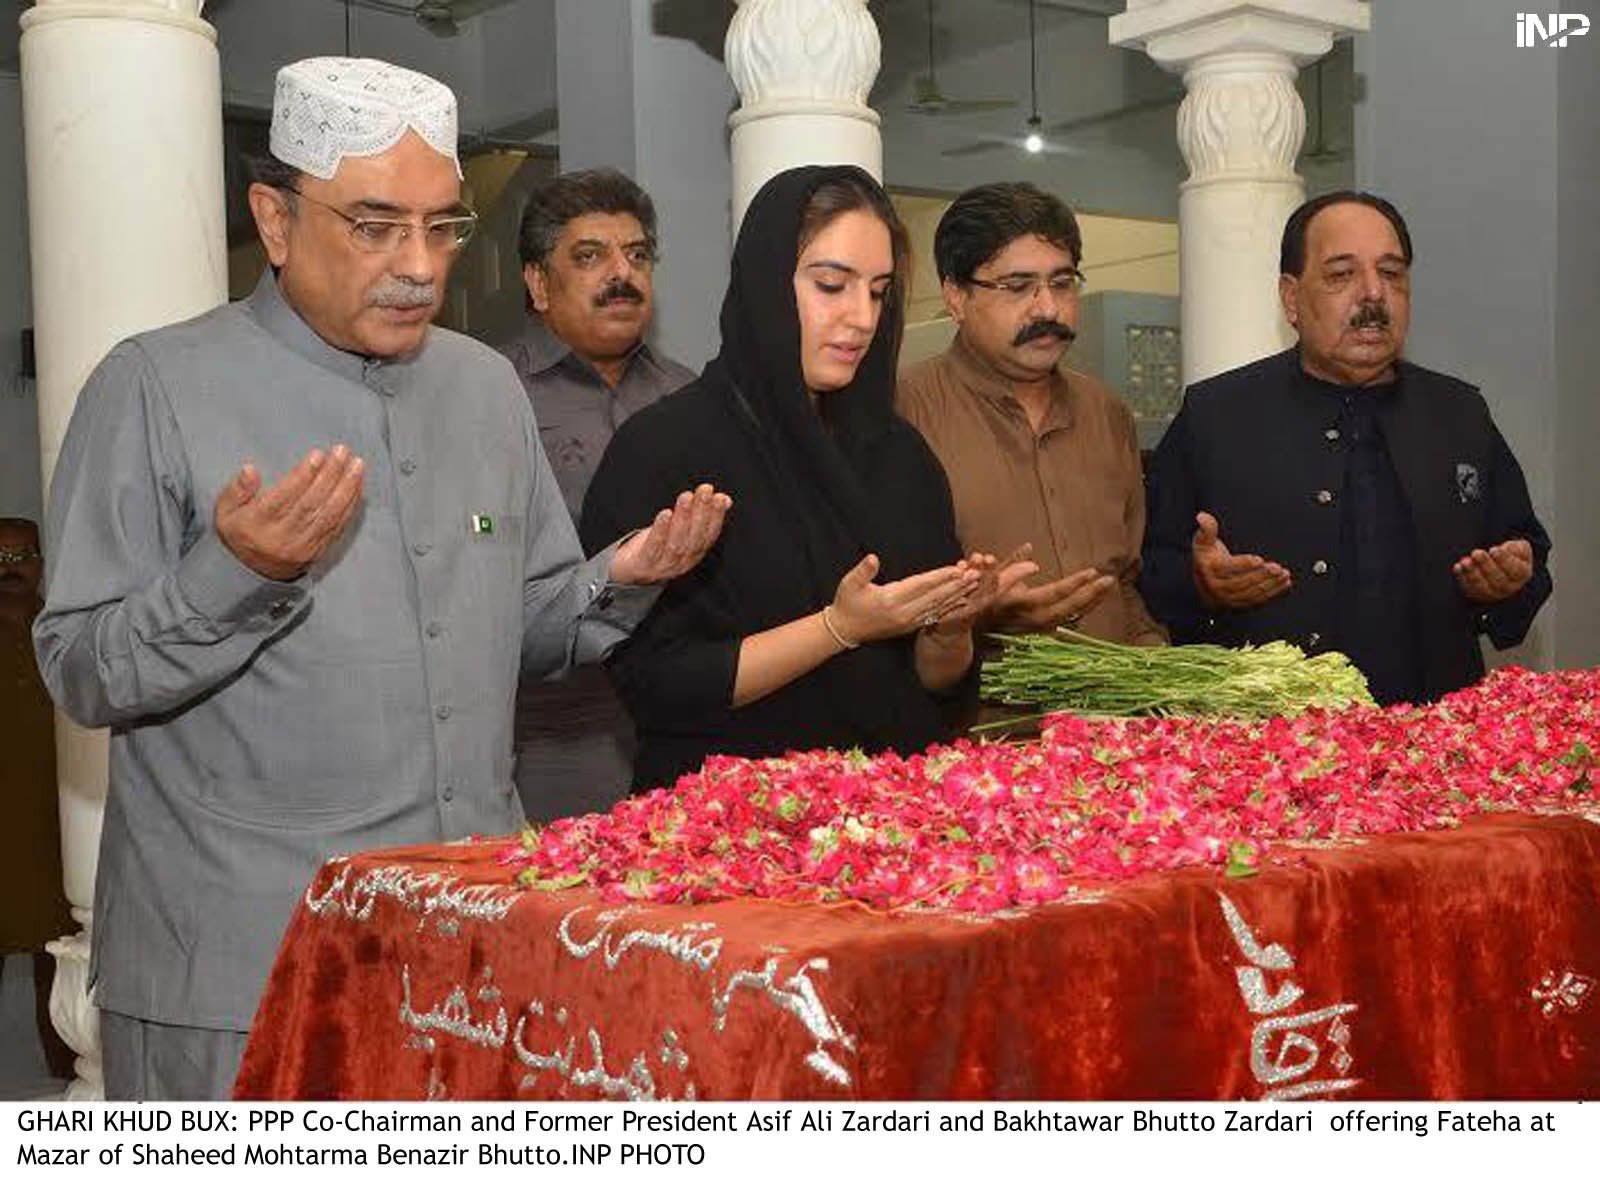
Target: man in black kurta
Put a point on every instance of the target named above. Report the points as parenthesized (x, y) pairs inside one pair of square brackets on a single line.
[(1339, 497)]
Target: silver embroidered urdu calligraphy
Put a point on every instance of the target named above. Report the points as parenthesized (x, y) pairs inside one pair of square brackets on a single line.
[(1283, 1052), (355, 895)]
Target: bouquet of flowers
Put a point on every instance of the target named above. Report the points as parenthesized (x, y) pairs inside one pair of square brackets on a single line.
[(1067, 670)]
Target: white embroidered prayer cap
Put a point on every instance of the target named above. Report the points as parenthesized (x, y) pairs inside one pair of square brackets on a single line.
[(327, 108)]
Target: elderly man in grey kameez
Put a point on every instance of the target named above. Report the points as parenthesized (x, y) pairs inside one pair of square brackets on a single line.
[(299, 548)]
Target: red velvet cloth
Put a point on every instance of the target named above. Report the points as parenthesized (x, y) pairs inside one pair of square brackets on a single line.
[(1447, 965)]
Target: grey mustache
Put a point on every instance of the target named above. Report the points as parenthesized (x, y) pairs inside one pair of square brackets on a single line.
[(403, 295)]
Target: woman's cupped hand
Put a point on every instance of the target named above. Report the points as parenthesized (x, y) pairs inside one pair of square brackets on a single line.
[(947, 600)]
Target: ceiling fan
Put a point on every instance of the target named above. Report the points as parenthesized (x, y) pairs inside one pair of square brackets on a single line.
[(529, 133), (1036, 137), (928, 99)]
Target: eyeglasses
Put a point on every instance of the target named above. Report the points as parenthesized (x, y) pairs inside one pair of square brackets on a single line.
[(380, 235), (1067, 284)]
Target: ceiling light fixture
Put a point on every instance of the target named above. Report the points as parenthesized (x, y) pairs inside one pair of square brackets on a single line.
[(1034, 142)]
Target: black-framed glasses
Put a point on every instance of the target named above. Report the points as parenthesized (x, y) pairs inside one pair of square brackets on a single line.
[(1065, 284), (381, 235)]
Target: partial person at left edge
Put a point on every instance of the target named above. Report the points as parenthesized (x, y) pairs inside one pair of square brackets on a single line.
[(298, 549), (588, 246), (35, 909)]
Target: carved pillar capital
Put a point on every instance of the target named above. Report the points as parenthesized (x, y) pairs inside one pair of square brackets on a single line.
[(819, 56), (1240, 128), (1243, 118), (803, 69)]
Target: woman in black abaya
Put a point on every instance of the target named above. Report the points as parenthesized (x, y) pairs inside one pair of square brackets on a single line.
[(836, 610)]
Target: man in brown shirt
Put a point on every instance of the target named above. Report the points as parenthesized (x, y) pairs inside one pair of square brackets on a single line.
[(1037, 454)]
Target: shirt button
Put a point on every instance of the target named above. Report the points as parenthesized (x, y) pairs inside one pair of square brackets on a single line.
[(280, 608), (1319, 567), (447, 793), (407, 466), (442, 713), (433, 629), (1324, 497), (1331, 434), (421, 549)]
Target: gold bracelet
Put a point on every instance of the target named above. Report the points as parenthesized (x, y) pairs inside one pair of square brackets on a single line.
[(827, 622)]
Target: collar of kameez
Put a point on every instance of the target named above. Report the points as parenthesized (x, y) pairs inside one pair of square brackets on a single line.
[(1384, 391), (977, 376), (545, 350)]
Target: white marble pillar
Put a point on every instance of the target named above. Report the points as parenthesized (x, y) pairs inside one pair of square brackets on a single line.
[(1240, 128), (803, 69), (122, 122)]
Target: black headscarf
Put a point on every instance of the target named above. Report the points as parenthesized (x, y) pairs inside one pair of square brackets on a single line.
[(814, 490), (821, 455)]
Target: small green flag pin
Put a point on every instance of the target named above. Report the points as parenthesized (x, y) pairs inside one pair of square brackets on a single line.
[(482, 523)]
